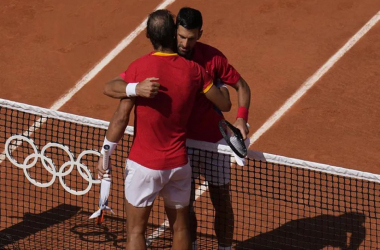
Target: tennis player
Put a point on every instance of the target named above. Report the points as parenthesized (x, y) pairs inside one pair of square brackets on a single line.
[(203, 123), (158, 163)]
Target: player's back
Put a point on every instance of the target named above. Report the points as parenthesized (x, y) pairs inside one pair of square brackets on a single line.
[(161, 122)]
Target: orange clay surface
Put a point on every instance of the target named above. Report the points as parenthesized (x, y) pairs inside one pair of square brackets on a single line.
[(47, 46)]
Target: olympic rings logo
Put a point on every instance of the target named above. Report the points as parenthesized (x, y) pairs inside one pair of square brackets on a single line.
[(48, 164)]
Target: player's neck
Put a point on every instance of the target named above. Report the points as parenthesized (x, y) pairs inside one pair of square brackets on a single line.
[(165, 50), (190, 55)]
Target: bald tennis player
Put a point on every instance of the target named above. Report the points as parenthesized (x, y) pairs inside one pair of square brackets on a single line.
[(158, 163)]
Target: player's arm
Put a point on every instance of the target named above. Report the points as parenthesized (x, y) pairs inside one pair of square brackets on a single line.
[(219, 97), (120, 120), (223, 88), (230, 76), (118, 88), (116, 128), (244, 101)]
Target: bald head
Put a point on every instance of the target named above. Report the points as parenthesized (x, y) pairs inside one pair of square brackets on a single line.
[(161, 29)]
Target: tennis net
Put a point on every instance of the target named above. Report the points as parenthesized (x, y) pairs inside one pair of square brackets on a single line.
[(48, 191)]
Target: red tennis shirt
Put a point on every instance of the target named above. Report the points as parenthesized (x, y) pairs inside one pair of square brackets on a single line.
[(161, 122), (203, 123)]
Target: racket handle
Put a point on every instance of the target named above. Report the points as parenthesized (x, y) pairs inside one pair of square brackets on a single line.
[(106, 157)]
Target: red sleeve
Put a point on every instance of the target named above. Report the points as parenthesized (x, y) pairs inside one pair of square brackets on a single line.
[(225, 71), (130, 74), (206, 80)]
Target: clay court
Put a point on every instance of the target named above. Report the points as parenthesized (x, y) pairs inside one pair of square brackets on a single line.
[(312, 65)]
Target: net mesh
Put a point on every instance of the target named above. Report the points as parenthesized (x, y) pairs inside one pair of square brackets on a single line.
[(48, 191)]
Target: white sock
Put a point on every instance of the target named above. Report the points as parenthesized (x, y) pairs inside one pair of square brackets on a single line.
[(194, 245), (225, 248)]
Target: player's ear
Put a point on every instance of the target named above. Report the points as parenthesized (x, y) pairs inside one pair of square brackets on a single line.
[(200, 34)]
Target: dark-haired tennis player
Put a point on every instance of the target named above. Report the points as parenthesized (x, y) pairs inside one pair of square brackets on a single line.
[(203, 124), (158, 163)]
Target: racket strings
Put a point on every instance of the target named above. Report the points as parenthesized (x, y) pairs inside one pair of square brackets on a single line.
[(233, 138)]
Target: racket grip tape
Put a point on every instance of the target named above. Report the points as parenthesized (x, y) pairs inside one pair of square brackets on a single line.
[(106, 157)]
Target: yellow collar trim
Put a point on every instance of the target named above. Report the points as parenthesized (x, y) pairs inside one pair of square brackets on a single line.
[(164, 54)]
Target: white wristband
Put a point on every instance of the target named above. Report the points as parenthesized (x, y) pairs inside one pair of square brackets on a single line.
[(131, 89), (223, 86), (109, 143)]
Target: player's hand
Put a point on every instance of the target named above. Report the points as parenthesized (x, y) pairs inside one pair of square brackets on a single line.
[(101, 171), (241, 124), (148, 88)]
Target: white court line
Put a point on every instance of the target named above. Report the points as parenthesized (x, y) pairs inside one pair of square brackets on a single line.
[(89, 76), (313, 79)]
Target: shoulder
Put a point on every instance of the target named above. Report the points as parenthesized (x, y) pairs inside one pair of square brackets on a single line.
[(209, 50), (195, 67), (185, 63), (142, 60), (210, 57)]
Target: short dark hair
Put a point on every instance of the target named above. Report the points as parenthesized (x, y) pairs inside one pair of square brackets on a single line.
[(189, 18), (161, 29)]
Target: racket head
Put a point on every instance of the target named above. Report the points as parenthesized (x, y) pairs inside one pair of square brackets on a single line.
[(233, 137)]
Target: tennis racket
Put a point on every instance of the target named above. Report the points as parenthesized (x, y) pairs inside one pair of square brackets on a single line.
[(233, 137), (106, 177)]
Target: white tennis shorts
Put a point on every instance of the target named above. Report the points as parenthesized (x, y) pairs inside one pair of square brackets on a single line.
[(215, 167), (143, 185)]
